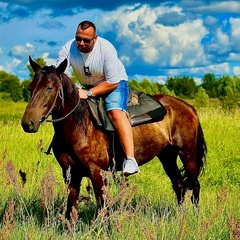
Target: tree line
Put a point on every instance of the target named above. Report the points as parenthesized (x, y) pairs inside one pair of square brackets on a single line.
[(225, 88)]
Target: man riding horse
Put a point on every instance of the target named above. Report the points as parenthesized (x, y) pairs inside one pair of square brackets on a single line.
[(96, 65)]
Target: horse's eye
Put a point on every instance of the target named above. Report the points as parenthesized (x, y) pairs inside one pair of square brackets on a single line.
[(49, 88)]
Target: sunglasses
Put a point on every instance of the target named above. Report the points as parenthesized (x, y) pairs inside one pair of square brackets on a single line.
[(85, 40)]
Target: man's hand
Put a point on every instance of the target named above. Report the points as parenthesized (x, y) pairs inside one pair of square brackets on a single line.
[(82, 93)]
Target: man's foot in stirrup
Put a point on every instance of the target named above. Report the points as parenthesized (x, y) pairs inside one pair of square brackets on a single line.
[(130, 166)]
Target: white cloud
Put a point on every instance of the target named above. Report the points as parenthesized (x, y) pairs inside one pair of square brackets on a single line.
[(159, 79), (218, 7), (227, 6), (222, 38), (234, 57), (235, 32), (179, 45), (235, 26), (49, 61), (210, 20), (236, 71), (19, 51), (125, 59), (148, 53), (10, 66), (155, 43), (216, 69), (222, 42)]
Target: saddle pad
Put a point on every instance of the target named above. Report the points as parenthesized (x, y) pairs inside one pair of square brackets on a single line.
[(145, 109)]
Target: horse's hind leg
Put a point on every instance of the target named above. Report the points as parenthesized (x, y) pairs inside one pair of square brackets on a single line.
[(195, 193), (193, 184), (191, 173), (168, 158)]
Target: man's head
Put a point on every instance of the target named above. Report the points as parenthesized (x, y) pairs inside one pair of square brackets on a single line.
[(85, 36)]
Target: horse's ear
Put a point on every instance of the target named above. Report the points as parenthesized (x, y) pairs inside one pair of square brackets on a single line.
[(34, 65), (62, 66)]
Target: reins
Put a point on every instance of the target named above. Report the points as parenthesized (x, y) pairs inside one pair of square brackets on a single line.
[(62, 118)]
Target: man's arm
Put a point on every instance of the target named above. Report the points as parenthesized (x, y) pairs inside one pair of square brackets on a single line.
[(99, 90)]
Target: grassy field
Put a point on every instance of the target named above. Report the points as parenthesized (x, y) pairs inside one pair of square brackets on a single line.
[(32, 206)]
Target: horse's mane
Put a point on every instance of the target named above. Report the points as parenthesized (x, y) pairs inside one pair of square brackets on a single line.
[(71, 94)]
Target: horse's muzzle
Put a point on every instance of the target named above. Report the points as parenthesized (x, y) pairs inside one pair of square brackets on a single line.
[(29, 126)]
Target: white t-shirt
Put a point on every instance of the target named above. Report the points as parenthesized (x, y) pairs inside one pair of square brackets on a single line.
[(101, 64)]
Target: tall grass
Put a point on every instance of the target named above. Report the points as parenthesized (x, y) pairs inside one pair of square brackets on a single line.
[(33, 195)]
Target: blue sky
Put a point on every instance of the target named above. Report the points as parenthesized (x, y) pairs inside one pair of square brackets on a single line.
[(154, 39)]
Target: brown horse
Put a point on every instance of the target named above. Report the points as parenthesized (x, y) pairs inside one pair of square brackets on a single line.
[(79, 142)]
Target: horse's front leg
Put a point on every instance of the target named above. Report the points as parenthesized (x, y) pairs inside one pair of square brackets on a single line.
[(71, 174), (98, 181), (73, 181)]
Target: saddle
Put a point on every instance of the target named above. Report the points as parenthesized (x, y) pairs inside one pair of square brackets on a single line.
[(142, 109)]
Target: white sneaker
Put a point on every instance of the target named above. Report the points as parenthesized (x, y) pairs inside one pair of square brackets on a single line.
[(130, 166)]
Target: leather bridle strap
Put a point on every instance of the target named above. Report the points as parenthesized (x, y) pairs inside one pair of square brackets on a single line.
[(43, 118), (62, 118), (60, 94)]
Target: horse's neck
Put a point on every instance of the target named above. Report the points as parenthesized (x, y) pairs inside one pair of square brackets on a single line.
[(73, 111)]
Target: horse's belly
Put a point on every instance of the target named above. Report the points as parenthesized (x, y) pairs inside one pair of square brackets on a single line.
[(149, 140)]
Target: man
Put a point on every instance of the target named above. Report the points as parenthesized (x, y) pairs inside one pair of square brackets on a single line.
[(95, 63)]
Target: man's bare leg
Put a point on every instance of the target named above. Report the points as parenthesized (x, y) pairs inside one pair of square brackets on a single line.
[(124, 130)]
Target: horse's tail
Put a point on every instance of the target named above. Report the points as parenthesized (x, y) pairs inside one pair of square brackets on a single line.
[(201, 149)]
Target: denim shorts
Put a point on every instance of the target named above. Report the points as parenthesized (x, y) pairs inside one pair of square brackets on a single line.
[(118, 98)]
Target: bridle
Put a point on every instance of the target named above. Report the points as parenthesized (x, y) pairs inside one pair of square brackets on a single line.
[(61, 96)]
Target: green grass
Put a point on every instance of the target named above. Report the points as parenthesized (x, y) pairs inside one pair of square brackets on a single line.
[(146, 208)]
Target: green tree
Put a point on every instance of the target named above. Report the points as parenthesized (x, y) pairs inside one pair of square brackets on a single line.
[(184, 87), (134, 84), (165, 90), (172, 83), (209, 83), (229, 92), (227, 84), (5, 97), (201, 97), (25, 90), (149, 87), (10, 84), (145, 86)]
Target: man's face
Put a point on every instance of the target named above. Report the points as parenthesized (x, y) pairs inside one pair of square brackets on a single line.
[(85, 39)]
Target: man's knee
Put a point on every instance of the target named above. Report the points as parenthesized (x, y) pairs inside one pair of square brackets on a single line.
[(116, 114)]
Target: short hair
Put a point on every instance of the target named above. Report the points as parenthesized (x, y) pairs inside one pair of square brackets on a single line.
[(86, 24)]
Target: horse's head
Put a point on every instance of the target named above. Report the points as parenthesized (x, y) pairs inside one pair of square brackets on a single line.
[(45, 89)]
